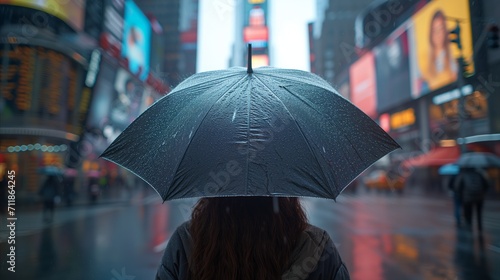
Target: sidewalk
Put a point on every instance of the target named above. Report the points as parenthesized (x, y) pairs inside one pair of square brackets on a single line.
[(30, 218)]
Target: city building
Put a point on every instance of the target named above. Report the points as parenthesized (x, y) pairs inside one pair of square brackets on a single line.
[(403, 67), (174, 50), (251, 27), (73, 75)]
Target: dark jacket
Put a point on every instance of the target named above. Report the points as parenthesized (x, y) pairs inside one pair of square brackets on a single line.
[(314, 257), (471, 185), (50, 188)]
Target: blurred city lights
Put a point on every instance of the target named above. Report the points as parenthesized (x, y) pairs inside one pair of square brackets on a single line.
[(37, 147)]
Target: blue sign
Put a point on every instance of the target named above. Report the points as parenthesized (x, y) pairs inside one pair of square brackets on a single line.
[(136, 40)]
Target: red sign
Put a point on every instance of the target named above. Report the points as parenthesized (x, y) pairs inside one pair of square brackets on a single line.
[(255, 33), (363, 84)]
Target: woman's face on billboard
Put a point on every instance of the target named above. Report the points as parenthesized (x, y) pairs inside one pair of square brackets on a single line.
[(439, 33)]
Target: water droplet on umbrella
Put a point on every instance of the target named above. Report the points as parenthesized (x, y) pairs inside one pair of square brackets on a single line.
[(234, 115)]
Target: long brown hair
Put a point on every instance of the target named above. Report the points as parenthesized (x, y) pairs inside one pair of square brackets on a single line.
[(439, 15), (244, 237)]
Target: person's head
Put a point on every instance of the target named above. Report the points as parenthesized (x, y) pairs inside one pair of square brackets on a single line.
[(244, 237), (438, 36)]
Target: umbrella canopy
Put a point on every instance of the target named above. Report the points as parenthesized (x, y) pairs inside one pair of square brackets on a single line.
[(50, 170), (449, 169), (70, 172), (479, 160), (94, 174), (238, 132)]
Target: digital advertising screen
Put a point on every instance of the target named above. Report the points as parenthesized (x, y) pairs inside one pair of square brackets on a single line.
[(256, 31), (259, 60), (363, 84), (435, 56), (70, 11), (392, 64), (116, 103), (136, 42), (31, 96)]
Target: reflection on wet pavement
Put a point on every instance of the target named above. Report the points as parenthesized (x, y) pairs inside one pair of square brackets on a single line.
[(378, 237), (407, 238)]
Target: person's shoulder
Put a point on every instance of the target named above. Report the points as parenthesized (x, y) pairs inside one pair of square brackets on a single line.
[(317, 233), (182, 232), (179, 244)]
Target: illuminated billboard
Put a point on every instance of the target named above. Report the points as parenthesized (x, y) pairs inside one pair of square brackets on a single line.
[(117, 102), (70, 11), (31, 96), (434, 57), (136, 40), (392, 64), (363, 84), (256, 31), (259, 60)]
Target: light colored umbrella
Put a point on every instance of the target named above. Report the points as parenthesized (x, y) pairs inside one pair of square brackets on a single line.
[(478, 160), (449, 169), (50, 170)]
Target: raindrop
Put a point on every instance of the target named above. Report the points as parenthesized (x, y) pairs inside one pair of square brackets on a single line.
[(163, 143), (324, 151), (190, 134), (234, 115)]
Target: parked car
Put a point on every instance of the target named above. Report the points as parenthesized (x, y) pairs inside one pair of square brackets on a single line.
[(381, 180)]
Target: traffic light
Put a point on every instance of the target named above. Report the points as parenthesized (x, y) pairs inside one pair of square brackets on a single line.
[(493, 37), (455, 36), (465, 67)]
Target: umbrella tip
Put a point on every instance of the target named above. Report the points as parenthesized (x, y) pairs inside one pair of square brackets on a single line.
[(249, 64)]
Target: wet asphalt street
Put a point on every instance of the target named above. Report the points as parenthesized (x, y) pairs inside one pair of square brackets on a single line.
[(379, 236)]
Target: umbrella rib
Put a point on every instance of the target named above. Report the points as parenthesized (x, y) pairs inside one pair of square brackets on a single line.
[(296, 124), (355, 150), (328, 88), (186, 86), (201, 122)]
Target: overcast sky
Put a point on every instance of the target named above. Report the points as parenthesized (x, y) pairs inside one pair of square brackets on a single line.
[(288, 33)]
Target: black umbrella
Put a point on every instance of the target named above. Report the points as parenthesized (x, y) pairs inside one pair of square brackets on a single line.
[(244, 132)]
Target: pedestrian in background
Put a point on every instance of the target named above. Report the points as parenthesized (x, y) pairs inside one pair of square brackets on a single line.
[(93, 189), (69, 190), (472, 185), (250, 238), (49, 191), (457, 199)]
